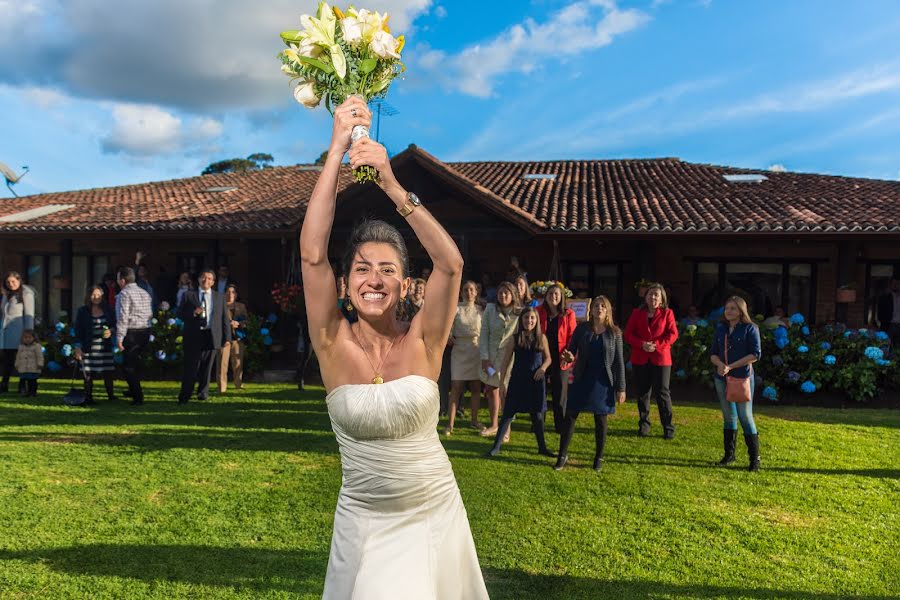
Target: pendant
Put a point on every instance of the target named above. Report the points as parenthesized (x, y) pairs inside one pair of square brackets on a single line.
[(378, 379)]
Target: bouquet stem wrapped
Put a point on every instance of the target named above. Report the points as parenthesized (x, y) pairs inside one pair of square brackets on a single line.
[(338, 54)]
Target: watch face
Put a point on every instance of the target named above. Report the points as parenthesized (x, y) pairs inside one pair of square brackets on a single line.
[(414, 199)]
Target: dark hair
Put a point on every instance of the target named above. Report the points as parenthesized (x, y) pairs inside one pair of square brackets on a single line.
[(561, 307), (662, 291), (529, 340), (90, 292), (108, 277), (6, 289), (126, 273), (231, 286), (379, 232), (30, 332)]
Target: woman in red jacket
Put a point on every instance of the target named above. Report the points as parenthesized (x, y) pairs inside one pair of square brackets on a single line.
[(558, 324), (651, 332)]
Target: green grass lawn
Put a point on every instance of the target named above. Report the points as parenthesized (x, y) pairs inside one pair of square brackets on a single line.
[(233, 498)]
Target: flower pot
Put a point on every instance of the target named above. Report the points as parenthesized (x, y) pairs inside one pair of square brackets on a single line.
[(846, 296)]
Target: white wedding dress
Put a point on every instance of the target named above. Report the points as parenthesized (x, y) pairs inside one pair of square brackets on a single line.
[(400, 527)]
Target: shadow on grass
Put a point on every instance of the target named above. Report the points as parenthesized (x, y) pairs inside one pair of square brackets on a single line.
[(150, 440), (514, 584), (245, 569), (709, 464)]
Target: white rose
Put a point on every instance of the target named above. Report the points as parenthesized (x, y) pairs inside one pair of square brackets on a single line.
[(371, 23), (385, 45), (305, 94), (352, 30)]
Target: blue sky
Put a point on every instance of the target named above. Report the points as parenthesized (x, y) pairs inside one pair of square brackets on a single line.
[(96, 93)]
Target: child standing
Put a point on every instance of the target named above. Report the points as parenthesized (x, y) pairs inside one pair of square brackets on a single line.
[(29, 362), (527, 388)]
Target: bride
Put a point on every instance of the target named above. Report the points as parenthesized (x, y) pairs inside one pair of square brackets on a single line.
[(400, 528)]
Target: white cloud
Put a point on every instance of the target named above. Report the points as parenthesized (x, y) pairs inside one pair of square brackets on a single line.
[(440, 12), (145, 130), (778, 168), (44, 97), (579, 27), (196, 56)]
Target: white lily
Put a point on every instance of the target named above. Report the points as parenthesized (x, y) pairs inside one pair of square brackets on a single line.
[(321, 31)]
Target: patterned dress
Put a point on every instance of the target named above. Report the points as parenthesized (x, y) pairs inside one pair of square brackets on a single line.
[(99, 357)]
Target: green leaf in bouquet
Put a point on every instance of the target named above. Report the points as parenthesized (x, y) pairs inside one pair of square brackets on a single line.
[(318, 64), (291, 37), (378, 86), (368, 65)]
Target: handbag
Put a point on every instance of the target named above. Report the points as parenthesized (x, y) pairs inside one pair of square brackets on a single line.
[(737, 389), (75, 396)]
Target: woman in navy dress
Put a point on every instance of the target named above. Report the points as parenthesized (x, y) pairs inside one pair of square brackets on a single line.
[(599, 377), (527, 393)]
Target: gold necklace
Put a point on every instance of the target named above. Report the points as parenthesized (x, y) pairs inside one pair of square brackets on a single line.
[(378, 379)]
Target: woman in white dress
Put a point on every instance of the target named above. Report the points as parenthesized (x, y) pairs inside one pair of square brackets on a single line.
[(400, 527)]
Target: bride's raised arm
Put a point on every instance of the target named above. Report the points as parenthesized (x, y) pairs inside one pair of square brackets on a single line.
[(319, 289), (434, 321)]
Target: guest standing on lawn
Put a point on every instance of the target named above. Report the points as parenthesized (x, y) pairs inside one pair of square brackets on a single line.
[(95, 325), (558, 324), (599, 377), (736, 346), (232, 352), (529, 356), (497, 327), (651, 332), (206, 328), (29, 363), (16, 315), (465, 359), (133, 314)]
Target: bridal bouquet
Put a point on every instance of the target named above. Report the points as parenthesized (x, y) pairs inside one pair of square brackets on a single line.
[(338, 54)]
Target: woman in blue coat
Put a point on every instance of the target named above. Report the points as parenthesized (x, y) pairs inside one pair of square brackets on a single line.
[(736, 338), (599, 377)]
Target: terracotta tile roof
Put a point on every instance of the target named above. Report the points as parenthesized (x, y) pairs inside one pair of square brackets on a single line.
[(669, 195), (622, 196), (269, 200)]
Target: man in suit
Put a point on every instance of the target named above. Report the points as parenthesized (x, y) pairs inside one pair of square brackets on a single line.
[(889, 311), (206, 329), (224, 279)]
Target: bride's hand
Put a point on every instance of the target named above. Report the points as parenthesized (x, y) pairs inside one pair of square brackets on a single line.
[(345, 121), (369, 152)]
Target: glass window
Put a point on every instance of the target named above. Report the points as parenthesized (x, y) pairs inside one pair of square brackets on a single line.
[(758, 283), (55, 296), (80, 280), (579, 280), (800, 289), (606, 282), (879, 283), (706, 288), (35, 278), (101, 267)]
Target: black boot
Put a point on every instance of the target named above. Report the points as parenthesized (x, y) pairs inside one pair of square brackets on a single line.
[(88, 390), (730, 440), (23, 388), (752, 451), (537, 421), (498, 441), (564, 441), (108, 384), (599, 440)]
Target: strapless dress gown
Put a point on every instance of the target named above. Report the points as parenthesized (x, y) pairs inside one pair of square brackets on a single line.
[(400, 527)]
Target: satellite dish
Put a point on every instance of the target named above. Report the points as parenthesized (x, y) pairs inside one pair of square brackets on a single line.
[(11, 177)]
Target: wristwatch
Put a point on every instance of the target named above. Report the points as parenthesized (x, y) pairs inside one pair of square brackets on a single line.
[(412, 201)]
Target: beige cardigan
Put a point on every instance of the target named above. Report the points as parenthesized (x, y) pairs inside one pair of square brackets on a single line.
[(29, 359)]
